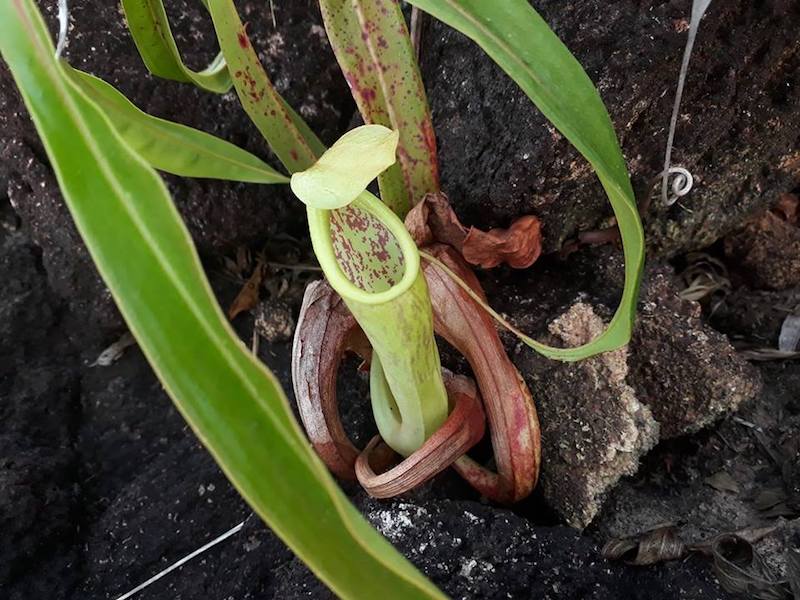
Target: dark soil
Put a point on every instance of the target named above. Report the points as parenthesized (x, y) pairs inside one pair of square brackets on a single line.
[(102, 484)]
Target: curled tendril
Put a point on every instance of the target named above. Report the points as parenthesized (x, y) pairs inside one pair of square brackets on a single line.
[(461, 431), (699, 8), (326, 330), (680, 185)]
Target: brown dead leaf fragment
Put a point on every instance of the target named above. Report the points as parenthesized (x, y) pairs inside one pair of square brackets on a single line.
[(723, 482), (433, 220), (518, 246), (247, 298)]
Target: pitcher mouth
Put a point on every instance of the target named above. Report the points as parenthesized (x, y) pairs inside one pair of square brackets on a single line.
[(320, 222)]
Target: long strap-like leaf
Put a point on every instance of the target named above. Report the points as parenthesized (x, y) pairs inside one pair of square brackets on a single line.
[(145, 255), (149, 26), (525, 47), (372, 45), (290, 138), (172, 147)]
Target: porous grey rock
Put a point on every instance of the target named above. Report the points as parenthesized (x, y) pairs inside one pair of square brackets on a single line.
[(685, 374), (685, 371), (594, 429), (274, 320)]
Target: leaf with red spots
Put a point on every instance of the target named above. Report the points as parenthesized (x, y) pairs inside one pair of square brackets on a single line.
[(373, 48), (287, 134)]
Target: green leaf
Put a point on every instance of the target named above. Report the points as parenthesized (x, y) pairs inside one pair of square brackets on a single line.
[(235, 406), (520, 41), (287, 134), (172, 147), (345, 170), (372, 45), (149, 26)]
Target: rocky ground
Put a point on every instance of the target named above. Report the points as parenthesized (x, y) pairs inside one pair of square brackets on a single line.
[(102, 484)]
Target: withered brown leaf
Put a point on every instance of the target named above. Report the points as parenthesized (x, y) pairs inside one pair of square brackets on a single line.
[(518, 246), (247, 298), (433, 220)]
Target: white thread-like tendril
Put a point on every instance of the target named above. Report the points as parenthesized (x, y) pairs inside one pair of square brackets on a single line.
[(684, 178), (682, 183)]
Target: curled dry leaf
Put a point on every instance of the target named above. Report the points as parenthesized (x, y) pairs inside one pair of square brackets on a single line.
[(247, 298), (652, 547), (738, 566), (741, 570), (518, 246), (664, 543), (433, 220)]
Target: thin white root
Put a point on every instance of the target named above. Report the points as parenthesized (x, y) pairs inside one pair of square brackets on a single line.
[(63, 27), (183, 561)]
